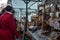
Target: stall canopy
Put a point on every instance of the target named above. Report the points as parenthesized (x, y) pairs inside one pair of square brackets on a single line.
[(21, 6)]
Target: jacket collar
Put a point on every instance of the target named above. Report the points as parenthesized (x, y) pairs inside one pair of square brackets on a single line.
[(9, 12)]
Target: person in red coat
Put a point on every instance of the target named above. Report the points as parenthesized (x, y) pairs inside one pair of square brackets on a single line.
[(7, 25)]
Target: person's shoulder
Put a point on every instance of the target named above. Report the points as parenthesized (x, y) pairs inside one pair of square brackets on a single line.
[(8, 15)]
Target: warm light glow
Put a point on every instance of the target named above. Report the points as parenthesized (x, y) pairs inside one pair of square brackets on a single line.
[(4, 2)]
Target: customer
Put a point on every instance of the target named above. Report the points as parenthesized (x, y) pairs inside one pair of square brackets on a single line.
[(8, 26)]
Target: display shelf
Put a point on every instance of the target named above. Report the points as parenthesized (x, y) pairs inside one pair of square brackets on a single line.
[(37, 36)]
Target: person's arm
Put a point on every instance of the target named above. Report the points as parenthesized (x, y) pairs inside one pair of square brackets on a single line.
[(13, 28)]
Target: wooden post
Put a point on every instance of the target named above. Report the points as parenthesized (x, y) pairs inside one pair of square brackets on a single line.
[(40, 13), (55, 9)]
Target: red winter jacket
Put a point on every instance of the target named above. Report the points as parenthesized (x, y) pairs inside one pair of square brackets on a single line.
[(8, 27)]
